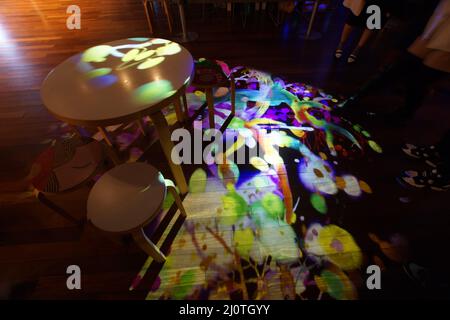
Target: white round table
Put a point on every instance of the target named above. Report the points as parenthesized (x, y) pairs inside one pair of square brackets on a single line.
[(127, 198), (121, 81)]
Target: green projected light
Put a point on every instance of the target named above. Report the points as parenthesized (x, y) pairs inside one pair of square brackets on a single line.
[(153, 91), (270, 228)]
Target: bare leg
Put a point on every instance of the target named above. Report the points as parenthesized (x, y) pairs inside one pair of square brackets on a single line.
[(346, 31), (367, 34)]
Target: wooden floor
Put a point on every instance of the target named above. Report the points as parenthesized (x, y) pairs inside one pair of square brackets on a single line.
[(36, 245)]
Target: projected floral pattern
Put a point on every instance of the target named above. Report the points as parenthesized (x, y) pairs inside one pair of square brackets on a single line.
[(140, 53), (268, 230)]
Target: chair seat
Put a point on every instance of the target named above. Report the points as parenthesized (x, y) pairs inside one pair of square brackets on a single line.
[(208, 73), (67, 164), (126, 197)]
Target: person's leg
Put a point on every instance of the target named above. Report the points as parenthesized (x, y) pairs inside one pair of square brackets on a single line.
[(345, 35), (403, 67), (366, 35), (346, 32), (417, 87)]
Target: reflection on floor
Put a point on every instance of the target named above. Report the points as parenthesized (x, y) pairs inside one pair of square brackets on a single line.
[(270, 229)]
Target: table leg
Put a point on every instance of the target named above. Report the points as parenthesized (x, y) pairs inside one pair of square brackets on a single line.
[(313, 17), (148, 246), (112, 151), (210, 102), (164, 137)]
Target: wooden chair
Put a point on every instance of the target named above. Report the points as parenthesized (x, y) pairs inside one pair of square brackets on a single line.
[(129, 197), (208, 75), (150, 12), (65, 166)]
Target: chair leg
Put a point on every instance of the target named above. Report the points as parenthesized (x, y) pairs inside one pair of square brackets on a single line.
[(148, 246), (47, 202), (149, 21), (210, 101), (173, 191), (168, 16)]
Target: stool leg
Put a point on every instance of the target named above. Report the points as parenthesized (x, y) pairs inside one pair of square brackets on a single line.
[(177, 199), (141, 127), (210, 101), (47, 202), (185, 105), (233, 95), (178, 111), (148, 246)]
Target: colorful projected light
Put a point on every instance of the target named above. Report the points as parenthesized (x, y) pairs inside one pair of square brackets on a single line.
[(266, 230)]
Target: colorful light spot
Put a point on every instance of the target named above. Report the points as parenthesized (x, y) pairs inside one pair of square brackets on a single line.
[(352, 186), (365, 187), (96, 54), (273, 205), (319, 204), (130, 55), (151, 62), (197, 182), (375, 147), (243, 240), (169, 49), (259, 164), (153, 91), (98, 72), (349, 256), (145, 54)]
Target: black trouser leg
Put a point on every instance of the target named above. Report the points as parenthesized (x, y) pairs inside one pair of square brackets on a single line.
[(417, 86), (405, 66)]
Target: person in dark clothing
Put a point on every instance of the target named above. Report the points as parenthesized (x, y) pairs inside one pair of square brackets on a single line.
[(357, 18), (407, 68)]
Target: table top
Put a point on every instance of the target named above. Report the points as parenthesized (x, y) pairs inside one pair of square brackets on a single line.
[(126, 197), (113, 82)]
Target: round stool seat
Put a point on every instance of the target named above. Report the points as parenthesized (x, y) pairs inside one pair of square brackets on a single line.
[(66, 164), (126, 197)]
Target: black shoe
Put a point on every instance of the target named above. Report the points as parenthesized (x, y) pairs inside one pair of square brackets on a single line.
[(432, 179), (429, 154)]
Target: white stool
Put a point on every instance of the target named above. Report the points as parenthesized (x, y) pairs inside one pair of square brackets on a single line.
[(127, 198)]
